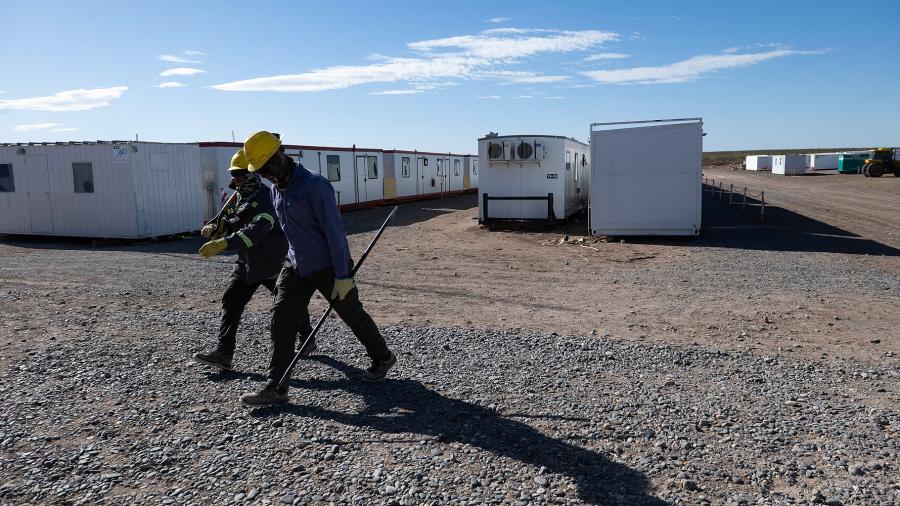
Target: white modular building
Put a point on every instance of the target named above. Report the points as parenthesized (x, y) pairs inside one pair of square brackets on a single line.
[(470, 176), (758, 162), (645, 177), (530, 177), (117, 189), (824, 161), (789, 165), (422, 173)]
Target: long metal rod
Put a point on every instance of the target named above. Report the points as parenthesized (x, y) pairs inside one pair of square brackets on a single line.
[(287, 373)]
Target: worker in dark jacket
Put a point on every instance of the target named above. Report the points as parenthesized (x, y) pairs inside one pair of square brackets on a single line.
[(251, 230), (318, 259)]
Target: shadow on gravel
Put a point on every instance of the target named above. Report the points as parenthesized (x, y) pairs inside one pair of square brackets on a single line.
[(355, 222), (407, 406), (727, 226), (368, 220)]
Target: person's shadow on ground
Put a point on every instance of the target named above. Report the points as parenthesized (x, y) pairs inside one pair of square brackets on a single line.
[(408, 406)]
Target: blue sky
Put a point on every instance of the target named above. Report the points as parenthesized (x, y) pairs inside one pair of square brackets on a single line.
[(436, 76)]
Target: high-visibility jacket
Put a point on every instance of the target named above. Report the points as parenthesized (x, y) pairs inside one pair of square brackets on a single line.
[(254, 233)]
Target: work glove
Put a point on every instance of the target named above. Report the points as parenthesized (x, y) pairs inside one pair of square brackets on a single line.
[(342, 287), (208, 230), (213, 248)]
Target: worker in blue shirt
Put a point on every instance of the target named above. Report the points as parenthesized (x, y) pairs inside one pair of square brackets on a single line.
[(318, 259)]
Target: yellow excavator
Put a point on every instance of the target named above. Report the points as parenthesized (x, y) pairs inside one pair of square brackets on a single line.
[(883, 161)]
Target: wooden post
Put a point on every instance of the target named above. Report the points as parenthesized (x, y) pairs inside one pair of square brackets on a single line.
[(762, 207), (744, 206)]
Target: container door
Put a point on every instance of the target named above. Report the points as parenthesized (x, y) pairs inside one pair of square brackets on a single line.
[(420, 176), (374, 182), (360, 172), (38, 178)]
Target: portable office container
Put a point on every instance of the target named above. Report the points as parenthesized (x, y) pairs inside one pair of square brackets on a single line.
[(422, 173), (100, 189), (758, 162), (789, 165), (528, 177), (645, 177), (824, 161)]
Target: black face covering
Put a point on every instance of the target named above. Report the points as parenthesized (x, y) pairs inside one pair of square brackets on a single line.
[(279, 170)]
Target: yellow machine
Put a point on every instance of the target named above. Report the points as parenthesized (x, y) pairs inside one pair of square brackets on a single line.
[(884, 161)]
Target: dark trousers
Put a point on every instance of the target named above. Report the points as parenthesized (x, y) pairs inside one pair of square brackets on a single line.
[(291, 313), (234, 300)]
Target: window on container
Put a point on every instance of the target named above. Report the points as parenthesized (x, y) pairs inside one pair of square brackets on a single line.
[(372, 165), (440, 167), (568, 160), (7, 184), (455, 167), (404, 166), (333, 162), (83, 175)]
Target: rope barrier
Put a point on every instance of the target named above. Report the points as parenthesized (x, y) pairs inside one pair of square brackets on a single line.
[(710, 185)]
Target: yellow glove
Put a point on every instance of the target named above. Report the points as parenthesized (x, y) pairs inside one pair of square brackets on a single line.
[(208, 230), (342, 287), (213, 248)]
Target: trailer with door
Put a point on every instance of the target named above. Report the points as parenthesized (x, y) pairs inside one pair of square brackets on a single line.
[(532, 177), (470, 176), (824, 161), (758, 162), (789, 165), (102, 189), (645, 177), (412, 174)]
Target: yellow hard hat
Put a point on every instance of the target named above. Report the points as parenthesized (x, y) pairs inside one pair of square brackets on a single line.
[(258, 148), (238, 161)]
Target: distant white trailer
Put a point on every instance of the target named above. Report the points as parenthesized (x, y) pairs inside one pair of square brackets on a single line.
[(117, 189), (645, 177), (421, 173), (789, 165), (532, 177), (824, 161), (758, 162)]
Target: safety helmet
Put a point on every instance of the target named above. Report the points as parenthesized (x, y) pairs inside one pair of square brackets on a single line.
[(238, 162), (259, 147)]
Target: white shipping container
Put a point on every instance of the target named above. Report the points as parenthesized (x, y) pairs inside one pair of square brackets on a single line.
[(470, 178), (789, 165), (645, 177), (758, 162), (532, 166), (824, 161), (102, 189)]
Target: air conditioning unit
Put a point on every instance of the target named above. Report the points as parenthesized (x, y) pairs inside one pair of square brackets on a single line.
[(525, 150), (539, 151), (509, 150), (495, 151)]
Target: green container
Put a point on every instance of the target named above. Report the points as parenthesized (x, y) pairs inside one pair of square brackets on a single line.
[(850, 164)]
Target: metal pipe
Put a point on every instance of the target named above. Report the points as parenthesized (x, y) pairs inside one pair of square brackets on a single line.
[(744, 206), (287, 373), (762, 207)]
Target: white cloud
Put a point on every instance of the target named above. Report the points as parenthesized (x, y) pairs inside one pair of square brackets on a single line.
[(554, 97), (452, 58), (688, 70), (70, 100), (181, 71), (497, 20), (31, 127), (607, 56), (489, 97), (176, 59), (69, 129), (523, 76), (397, 92), (171, 84), (520, 97), (192, 52), (510, 45)]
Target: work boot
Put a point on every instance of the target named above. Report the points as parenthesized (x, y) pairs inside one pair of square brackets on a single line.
[(379, 369), (270, 395), (215, 358), (309, 349)]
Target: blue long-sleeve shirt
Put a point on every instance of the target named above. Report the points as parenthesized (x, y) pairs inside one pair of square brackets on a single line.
[(310, 218)]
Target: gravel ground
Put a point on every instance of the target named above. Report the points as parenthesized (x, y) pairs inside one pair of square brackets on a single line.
[(467, 417)]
